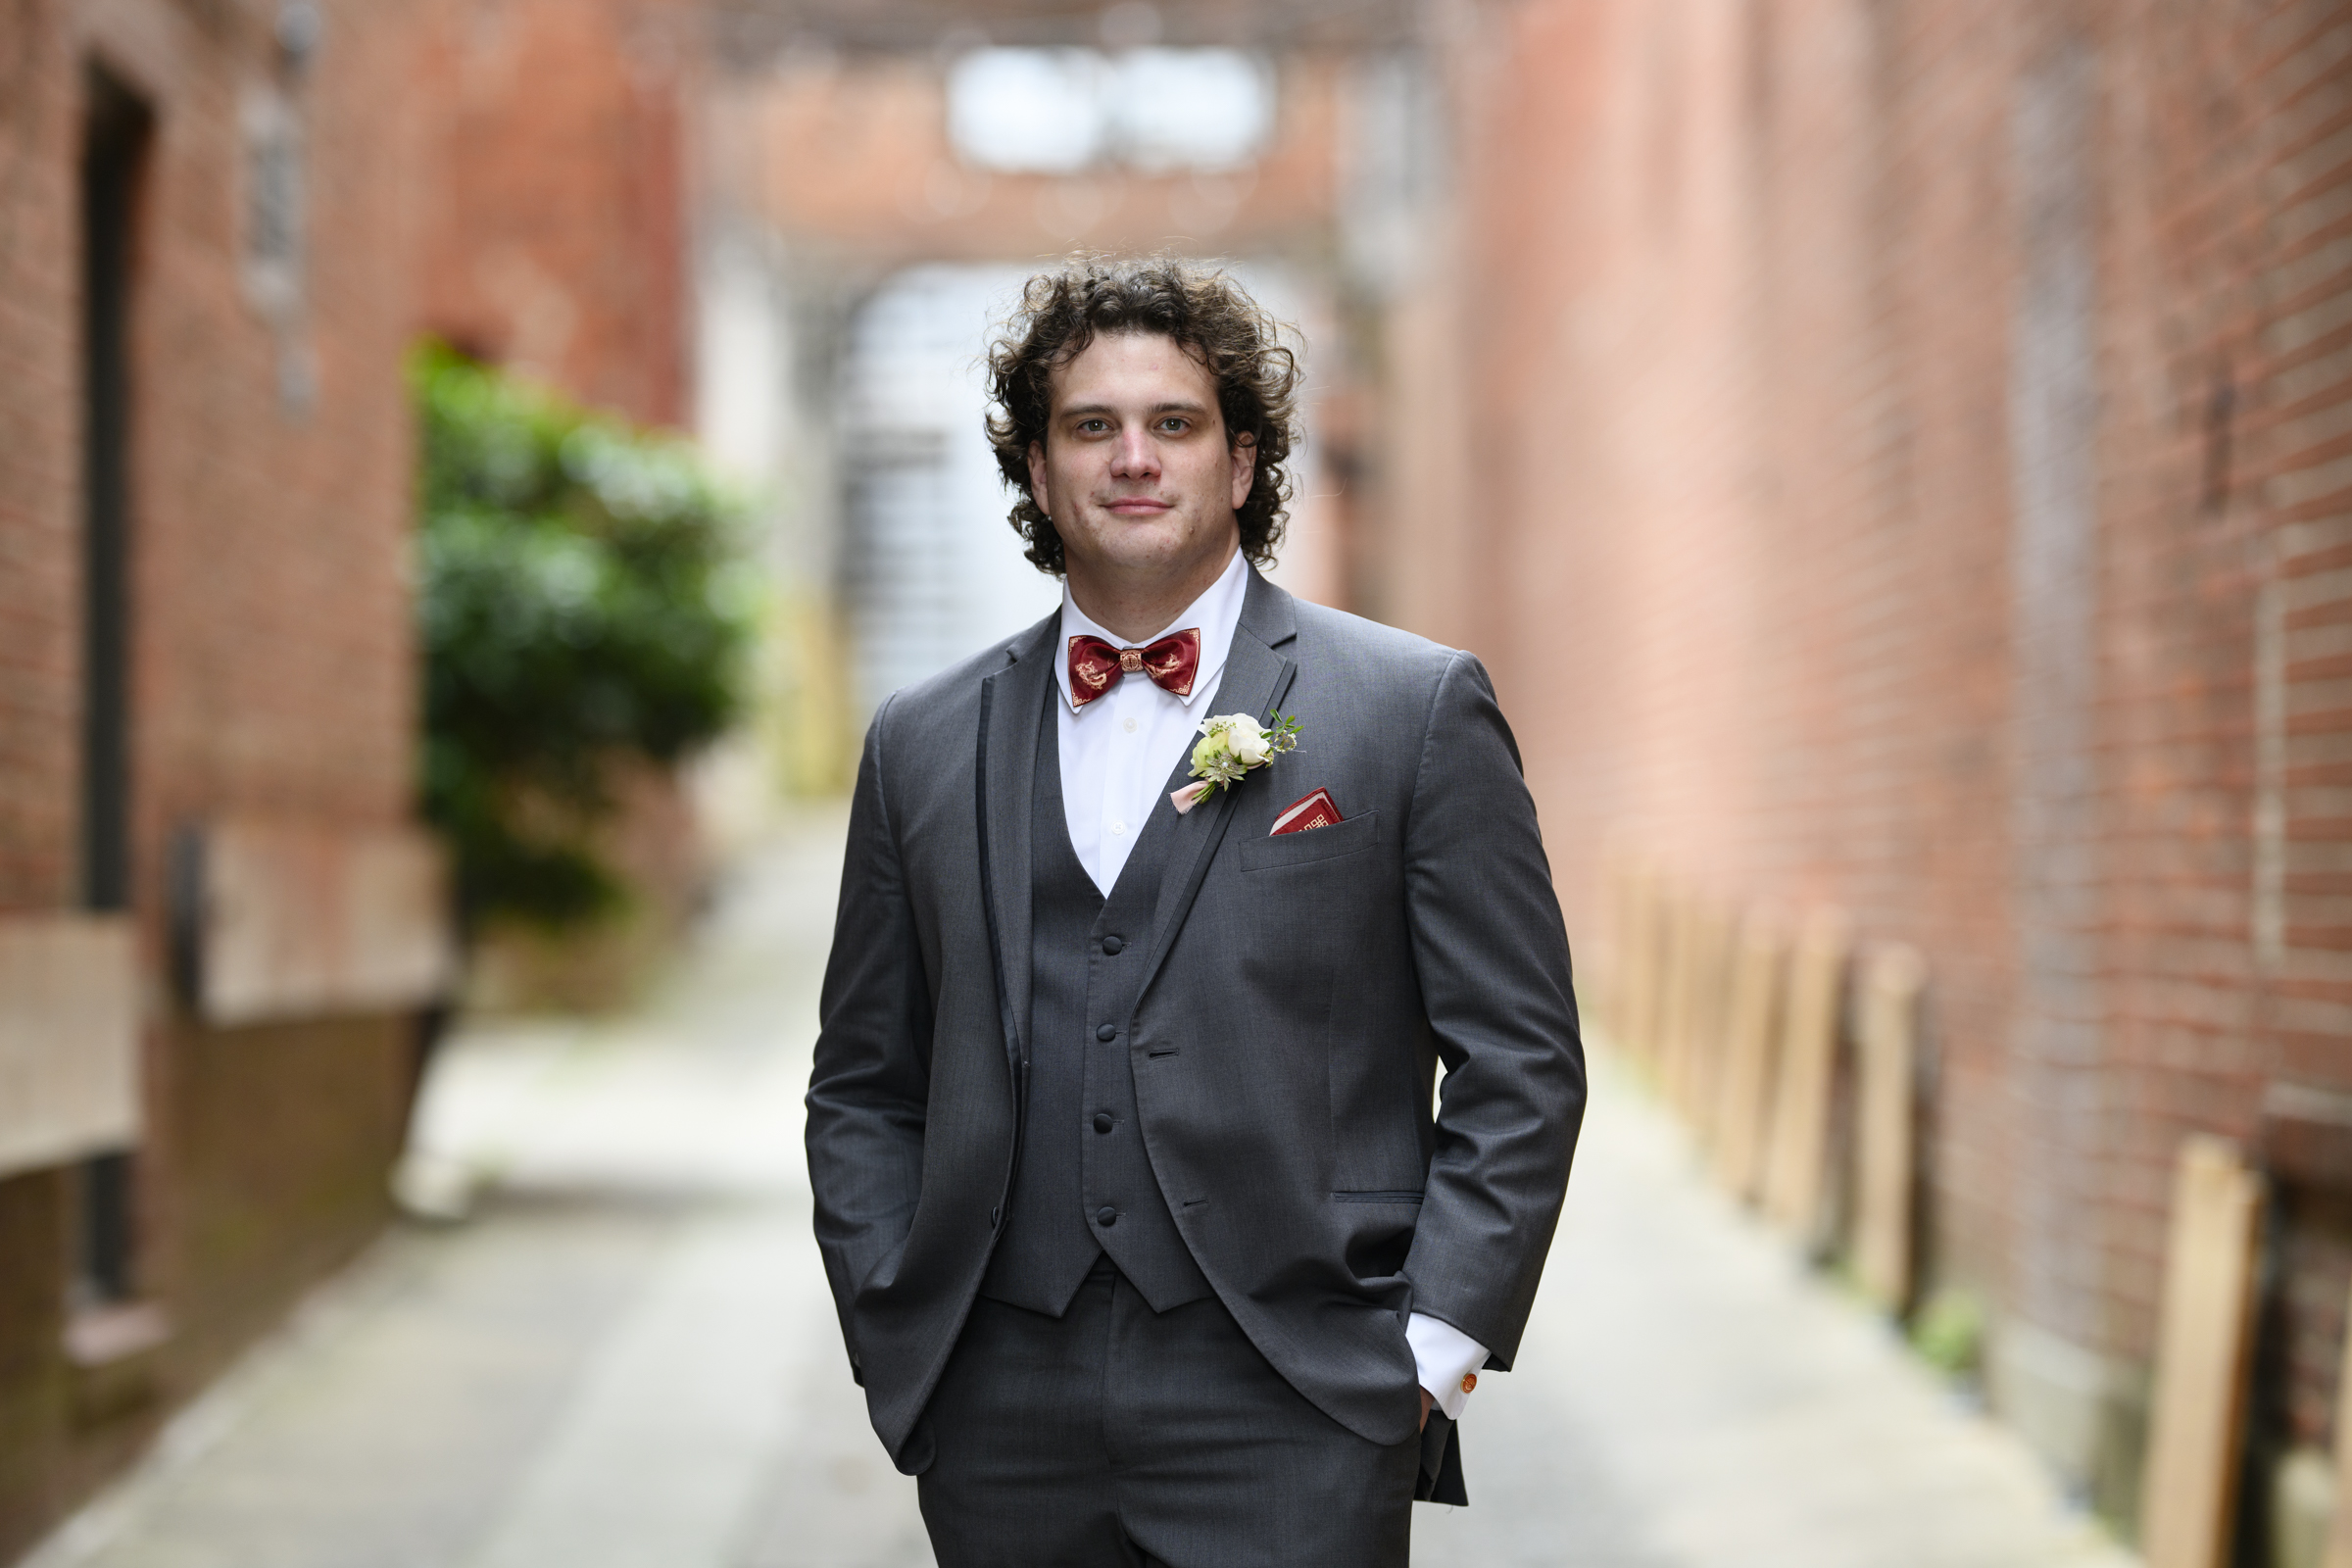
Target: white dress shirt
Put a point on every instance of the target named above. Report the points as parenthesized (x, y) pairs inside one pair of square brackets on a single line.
[(1118, 754), (1118, 751)]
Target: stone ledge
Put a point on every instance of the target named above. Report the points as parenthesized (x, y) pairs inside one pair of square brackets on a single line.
[(70, 1017)]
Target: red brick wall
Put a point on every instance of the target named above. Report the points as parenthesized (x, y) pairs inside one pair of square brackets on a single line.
[(38, 478), (2277, 314), (271, 662), (847, 158), (1842, 497), (271, 666), (552, 198)]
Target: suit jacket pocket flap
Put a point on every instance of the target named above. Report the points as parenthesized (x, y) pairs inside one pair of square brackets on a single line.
[(1316, 844)]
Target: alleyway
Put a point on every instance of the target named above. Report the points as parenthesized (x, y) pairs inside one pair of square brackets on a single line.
[(625, 1357)]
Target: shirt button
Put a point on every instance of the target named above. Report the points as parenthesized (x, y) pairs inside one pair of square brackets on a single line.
[(1114, 946), (1131, 726), (1104, 1121), (1109, 1031), (1118, 827), (1106, 1216)]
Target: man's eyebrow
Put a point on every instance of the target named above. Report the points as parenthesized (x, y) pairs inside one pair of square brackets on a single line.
[(1091, 408)]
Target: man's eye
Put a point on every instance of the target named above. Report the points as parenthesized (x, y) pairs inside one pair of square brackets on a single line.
[(1093, 427), (1172, 426)]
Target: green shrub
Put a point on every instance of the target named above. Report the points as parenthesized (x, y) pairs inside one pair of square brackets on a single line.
[(581, 600), (1948, 1331)]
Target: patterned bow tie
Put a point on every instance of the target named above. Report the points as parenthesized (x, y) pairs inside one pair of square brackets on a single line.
[(1095, 666)]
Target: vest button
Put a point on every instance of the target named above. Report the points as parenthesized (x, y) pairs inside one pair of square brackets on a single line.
[(1112, 946), (1109, 1031), (1103, 1122), (1106, 1216)]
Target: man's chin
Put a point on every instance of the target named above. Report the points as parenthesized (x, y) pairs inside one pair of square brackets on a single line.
[(1160, 533), (1139, 545), (1167, 546)]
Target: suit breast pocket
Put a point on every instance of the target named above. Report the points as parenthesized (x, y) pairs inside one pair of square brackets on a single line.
[(1351, 837)]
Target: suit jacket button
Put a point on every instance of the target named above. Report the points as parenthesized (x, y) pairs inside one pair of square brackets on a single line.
[(1109, 1031), (991, 1215), (1106, 1216), (1104, 1121), (1112, 946)]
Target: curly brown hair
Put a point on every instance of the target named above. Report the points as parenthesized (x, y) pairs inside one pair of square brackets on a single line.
[(1207, 314)]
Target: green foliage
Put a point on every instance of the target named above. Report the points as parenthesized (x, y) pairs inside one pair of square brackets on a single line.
[(581, 601), (1949, 1331)]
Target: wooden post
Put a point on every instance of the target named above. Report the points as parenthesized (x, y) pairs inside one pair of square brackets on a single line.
[(1886, 1036), (1750, 1043), (1797, 1160), (2204, 1346), (1702, 1083), (1646, 1003), (1678, 946), (1690, 1070), (1629, 988), (1602, 972), (2340, 1527), (1691, 982), (1656, 983)]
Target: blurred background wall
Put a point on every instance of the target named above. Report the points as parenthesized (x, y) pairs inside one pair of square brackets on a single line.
[(1901, 465), (1892, 455), (217, 918)]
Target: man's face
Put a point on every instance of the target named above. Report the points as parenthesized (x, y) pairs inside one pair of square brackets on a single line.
[(1135, 470)]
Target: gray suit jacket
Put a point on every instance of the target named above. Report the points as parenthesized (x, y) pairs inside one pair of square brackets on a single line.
[(1300, 991)]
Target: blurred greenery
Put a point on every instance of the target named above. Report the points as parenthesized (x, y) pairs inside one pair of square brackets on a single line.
[(1948, 1331), (583, 602)]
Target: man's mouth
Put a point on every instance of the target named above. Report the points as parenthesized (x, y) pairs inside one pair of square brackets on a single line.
[(1138, 506)]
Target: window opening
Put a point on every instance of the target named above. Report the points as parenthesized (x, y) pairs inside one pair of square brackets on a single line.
[(113, 150)]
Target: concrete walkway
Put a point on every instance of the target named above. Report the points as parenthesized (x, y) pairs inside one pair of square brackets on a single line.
[(625, 1357)]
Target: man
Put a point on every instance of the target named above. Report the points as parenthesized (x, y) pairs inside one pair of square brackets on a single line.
[(1146, 1245)]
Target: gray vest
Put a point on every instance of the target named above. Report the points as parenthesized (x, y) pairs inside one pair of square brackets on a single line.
[(1083, 1185)]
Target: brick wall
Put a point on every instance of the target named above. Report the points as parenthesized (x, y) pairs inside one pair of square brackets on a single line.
[(1901, 462), (39, 533), (270, 664), (847, 157), (2277, 338), (551, 198)]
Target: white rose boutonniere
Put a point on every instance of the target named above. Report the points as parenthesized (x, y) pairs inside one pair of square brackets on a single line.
[(1230, 746)]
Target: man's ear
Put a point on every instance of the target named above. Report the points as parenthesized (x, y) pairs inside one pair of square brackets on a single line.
[(1244, 468), (1037, 478)]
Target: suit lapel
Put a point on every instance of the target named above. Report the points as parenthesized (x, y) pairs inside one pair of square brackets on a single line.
[(1012, 704), (1258, 676)]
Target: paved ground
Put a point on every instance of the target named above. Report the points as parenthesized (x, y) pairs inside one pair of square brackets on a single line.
[(625, 1357)]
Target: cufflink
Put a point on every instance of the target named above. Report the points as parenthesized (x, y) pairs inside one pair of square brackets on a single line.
[(1469, 1381)]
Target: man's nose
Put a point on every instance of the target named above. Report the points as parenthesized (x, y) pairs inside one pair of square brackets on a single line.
[(1134, 456)]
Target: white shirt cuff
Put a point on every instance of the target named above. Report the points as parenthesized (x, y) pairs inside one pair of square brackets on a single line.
[(1442, 1357)]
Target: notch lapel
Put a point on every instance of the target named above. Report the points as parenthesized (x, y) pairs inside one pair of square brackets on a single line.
[(1012, 704), (1258, 676)]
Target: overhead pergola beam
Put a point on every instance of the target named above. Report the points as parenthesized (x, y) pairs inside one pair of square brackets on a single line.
[(750, 28)]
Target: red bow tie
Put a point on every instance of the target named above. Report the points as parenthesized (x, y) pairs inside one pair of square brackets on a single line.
[(1095, 666)]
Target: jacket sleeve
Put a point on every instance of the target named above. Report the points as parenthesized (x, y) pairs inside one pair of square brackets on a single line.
[(869, 1092), (1491, 956)]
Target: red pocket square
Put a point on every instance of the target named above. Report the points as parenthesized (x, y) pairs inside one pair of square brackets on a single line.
[(1307, 811)]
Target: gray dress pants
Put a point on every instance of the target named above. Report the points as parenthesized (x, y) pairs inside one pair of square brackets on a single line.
[(1114, 1437)]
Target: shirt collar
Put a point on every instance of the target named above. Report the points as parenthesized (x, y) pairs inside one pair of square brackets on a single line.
[(1216, 613)]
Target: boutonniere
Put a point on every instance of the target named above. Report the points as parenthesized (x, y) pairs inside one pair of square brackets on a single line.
[(1229, 747)]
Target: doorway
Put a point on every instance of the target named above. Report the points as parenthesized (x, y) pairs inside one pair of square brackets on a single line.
[(116, 136)]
